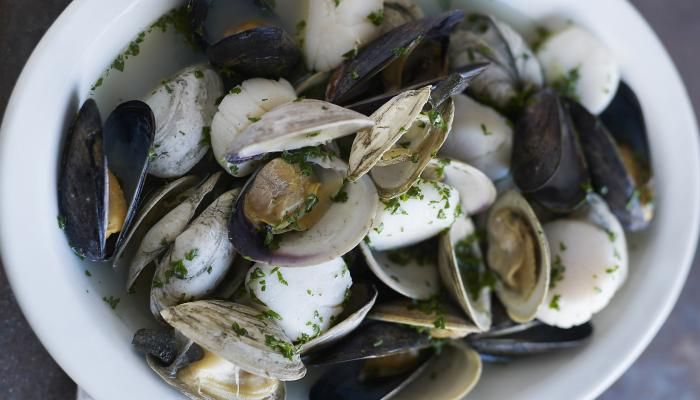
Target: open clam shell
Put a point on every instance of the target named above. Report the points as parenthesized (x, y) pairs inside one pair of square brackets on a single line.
[(154, 239), (463, 271), (439, 319), (411, 272), (391, 121), (519, 253), (198, 260), (423, 140), (235, 333), (295, 125), (339, 230)]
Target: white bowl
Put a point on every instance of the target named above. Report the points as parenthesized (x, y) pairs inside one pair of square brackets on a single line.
[(92, 342)]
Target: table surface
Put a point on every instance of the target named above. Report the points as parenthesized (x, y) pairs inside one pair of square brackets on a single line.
[(668, 369)]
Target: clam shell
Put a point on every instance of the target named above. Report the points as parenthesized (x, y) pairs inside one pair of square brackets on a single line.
[(295, 125), (449, 375), (476, 191), (404, 311), (523, 309), (209, 324), (342, 227), (361, 302), (396, 179), (455, 278), (411, 279), (390, 122), (202, 251), (162, 233), (183, 108)]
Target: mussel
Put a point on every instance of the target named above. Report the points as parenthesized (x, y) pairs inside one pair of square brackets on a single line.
[(102, 173)]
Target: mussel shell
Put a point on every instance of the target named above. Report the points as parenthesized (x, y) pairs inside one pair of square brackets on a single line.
[(624, 118), (609, 174), (265, 51), (343, 382), (535, 338), (549, 164), (350, 77), (82, 185), (128, 136), (373, 339)]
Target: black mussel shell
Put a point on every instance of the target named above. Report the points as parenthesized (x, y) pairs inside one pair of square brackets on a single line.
[(344, 382), (82, 184), (265, 51), (128, 136), (347, 80), (609, 174), (243, 13), (443, 88), (160, 344), (549, 164), (371, 340), (531, 339)]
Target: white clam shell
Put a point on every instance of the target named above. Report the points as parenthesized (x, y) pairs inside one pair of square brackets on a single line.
[(476, 191), (480, 137), (205, 252), (183, 108), (598, 71)]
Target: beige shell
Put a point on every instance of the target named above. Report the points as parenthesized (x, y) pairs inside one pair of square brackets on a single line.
[(393, 180), (522, 309), (404, 311), (454, 278), (210, 323), (391, 120), (298, 124)]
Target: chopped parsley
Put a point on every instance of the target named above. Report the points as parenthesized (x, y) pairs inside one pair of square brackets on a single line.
[(283, 347), (350, 54), (379, 228), (557, 272), (112, 301), (340, 197), (400, 51), (240, 331), (88, 273), (542, 35), (431, 306), (470, 264), (233, 168), (337, 3), (441, 214), (198, 74), (253, 119), (269, 314), (301, 157), (485, 130), (413, 192), (192, 254), (209, 269), (280, 277), (235, 90), (394, 206), (566, 84), (554, 304), (612, 269), (440, 170), (436, 119), (562, 246), (611, 235), (354, 75), (312, 134), (206, 136), (376, 17), (272, 241), (61, 222)]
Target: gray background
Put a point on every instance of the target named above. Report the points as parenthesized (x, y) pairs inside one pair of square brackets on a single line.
[(668, 369)]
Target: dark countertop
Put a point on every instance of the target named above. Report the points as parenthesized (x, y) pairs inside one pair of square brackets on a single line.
[(668, 369)]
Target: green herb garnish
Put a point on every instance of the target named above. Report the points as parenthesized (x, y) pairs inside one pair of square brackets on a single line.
[(376, 17)]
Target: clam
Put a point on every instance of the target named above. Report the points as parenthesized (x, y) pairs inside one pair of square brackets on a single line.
[(198, 259), (518, 253), (618, 156), (402, 142), (183, 107), (581, 67), (350, 79), (101, 176), (481, 137), (314, 305), (367, 371), (549, 164), (297, 211), (436, 317), (251, 46), (589, 264), (162, 233), (476, 191), (514, 71), (243, 105), (346, 22)]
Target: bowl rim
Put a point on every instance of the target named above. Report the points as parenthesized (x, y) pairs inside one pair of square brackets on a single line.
[(32, 308)]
